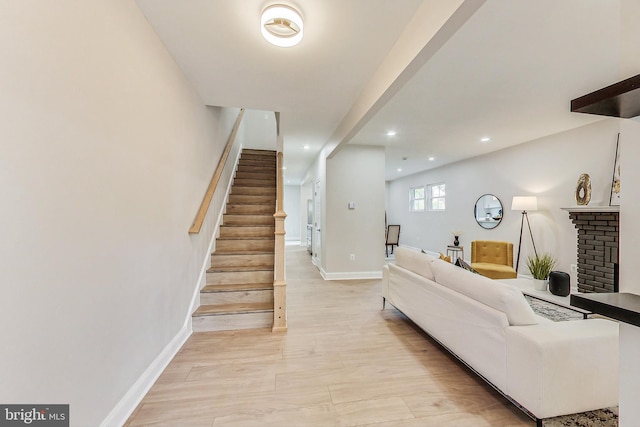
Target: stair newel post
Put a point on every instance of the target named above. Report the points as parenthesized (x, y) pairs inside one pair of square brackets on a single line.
[(279, 283)]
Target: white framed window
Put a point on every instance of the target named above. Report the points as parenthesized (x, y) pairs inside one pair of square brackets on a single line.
[(417, 199), (436, 197)]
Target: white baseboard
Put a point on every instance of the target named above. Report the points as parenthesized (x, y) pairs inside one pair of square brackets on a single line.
[(351, 275), (123, 410)]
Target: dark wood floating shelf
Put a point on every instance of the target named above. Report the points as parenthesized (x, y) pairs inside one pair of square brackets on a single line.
[(624, 307), (621, 99)]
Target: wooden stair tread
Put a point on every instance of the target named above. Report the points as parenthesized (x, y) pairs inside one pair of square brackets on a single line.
[(262, 209), (243, 253), (246, 238), (249, 215), (254, 205), (237, 308), (240, 268), (238, 287), (245, 226)]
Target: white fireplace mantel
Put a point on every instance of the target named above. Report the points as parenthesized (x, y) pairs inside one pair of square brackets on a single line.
[(592, 209)]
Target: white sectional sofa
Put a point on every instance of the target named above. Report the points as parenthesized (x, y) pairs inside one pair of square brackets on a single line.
[(547, 368)]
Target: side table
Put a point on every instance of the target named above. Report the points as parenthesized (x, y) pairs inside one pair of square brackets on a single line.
[(455, 252)]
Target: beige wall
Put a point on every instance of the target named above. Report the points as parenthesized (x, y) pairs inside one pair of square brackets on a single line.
[(106, 154), (355, 174)]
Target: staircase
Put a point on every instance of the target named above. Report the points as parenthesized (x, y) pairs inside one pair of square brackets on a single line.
[(239, 289)]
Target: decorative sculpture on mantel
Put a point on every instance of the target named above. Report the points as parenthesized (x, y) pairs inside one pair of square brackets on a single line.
[(583, 190)]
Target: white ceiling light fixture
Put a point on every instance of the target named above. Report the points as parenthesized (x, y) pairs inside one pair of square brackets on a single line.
[(485, 139), (281, 25)]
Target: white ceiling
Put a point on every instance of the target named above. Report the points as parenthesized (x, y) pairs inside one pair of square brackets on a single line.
[(508, 73)]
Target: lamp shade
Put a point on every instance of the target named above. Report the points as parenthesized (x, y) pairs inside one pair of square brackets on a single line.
[(524, 203)]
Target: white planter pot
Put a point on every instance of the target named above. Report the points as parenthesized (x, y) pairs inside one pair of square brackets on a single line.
[(540, 285)]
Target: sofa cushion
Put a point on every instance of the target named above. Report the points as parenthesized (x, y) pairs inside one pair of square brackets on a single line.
[(499, 296), (415, 261)]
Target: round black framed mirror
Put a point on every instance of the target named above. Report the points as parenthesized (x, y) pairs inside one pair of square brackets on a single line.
[(488, 211)]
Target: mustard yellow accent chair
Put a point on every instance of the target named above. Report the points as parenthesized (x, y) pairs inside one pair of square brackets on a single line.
[(493, 259)]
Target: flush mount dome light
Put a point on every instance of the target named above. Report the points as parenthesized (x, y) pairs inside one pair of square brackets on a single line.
[(281, 25)]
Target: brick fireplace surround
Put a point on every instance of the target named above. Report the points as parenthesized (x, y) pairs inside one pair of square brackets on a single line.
[(598, 248)]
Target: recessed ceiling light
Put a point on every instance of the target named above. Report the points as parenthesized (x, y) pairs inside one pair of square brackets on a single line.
[(281, 25), (431, 159), (399, 169), (485, 139), (392, 133), (306, 147)]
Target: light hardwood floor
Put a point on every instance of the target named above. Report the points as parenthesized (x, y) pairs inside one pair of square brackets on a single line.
[(343, 362)]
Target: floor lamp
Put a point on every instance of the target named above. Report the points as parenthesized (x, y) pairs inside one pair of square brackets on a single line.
[(524, 204)]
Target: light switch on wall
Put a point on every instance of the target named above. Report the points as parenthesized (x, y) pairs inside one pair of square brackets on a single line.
[(352, 205)]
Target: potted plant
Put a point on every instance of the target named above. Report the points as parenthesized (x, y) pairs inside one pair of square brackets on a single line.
[(540, 266)]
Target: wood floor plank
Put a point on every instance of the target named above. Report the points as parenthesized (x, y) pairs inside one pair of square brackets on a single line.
[(351, 414), (343, 362)]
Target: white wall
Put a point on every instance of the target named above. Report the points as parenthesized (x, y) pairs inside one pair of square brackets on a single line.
[(260, 129), (629, 224), (629, 253), (292, 209), (106, 154), (355, 174), (548, 168)]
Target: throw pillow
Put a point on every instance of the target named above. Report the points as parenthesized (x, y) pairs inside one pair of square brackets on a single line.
[(445, 258)]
